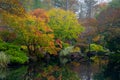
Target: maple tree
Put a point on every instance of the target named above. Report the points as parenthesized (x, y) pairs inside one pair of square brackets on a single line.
[(32, 31)]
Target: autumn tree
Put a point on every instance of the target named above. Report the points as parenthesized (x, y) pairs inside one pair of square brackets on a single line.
[(108, 22), (64, 24), (33, 32), (89, 7)]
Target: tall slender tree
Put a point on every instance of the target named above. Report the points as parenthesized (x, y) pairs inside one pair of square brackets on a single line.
[(89, 7), (66, 4)]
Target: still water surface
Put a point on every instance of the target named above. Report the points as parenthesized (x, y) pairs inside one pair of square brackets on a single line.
[(72, 71)]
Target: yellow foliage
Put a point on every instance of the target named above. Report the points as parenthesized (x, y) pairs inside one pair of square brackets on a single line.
[(96, 38), (24, 47), (32, 31), (95, 59), (76, 49), (64, 24), (76, 63)]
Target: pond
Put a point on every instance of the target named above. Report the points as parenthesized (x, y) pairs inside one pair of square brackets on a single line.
[(71, 71)]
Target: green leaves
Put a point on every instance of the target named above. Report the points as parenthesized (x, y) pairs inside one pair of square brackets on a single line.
[(16, 56), (14, 53), (64, 24), (95, 47)]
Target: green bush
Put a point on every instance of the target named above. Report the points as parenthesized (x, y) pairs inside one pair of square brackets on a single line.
[(6, 46), (1, 40), (16, 56), (14, 52), (96, 47), (2, 46), (4, 59)]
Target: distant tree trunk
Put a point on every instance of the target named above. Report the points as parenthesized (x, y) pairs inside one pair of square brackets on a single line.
[(67, 4), (89, 5)]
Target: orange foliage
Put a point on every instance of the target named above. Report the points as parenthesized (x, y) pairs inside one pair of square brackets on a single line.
[(51, 78), (110, 15), (90, 22), (33, 31), (96, 38), (47, 29), (46, 33), (41, 14), (59, 43)]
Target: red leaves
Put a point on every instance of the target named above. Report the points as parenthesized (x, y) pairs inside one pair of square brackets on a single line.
[(110, 15), (90, 22), (59, 43), (47, 29), (41, 14)]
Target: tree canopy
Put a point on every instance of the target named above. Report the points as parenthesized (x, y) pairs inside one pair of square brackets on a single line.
[(64, 24)]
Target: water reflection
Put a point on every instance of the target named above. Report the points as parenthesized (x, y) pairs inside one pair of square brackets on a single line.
[(72, 71), (38, 72), (3, 74), (13, 74), (86, 71)]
